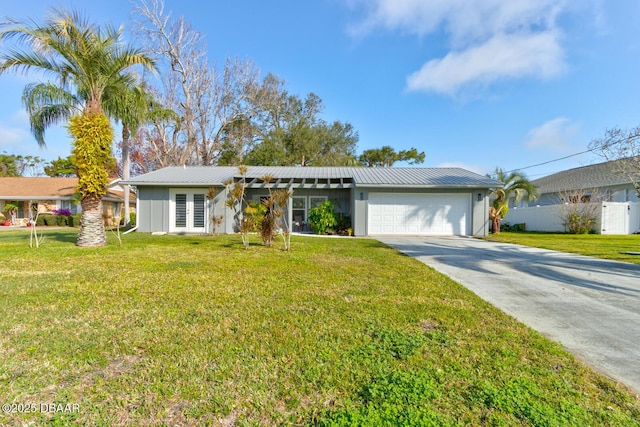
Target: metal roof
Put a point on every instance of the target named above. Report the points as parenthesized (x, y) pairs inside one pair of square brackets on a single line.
[(316, 177), (586, 177)]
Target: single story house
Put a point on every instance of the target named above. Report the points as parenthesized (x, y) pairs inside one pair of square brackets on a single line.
[(48, 194), (410, 201), (602, 183)]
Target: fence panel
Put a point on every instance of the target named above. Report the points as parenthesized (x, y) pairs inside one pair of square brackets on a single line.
[(611, 218)]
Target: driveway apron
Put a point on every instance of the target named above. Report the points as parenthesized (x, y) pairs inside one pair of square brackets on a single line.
[(589, 305)]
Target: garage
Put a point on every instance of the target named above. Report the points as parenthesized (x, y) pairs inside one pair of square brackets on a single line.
[(442, 214)]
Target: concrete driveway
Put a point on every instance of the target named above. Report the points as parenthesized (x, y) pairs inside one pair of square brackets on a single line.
[(589, 305)]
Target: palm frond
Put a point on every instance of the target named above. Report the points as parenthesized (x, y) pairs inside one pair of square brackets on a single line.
[(515, 183)]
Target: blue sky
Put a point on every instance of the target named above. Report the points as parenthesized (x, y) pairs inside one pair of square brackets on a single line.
[(472, 83)]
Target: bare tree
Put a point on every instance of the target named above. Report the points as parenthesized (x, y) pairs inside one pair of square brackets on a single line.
[(579, 212), (214, 106), (623, 147)]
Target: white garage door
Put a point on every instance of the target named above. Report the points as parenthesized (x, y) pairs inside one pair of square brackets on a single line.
[(436, 214)]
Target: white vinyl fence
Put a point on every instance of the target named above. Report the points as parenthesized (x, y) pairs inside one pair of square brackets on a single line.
[(612, 218)]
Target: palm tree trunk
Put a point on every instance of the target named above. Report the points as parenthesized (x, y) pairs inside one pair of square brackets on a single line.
[(92, 231), (496, 225), (126, 134)]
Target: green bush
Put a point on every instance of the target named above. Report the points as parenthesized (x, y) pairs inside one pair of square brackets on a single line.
[(343, 224), (579, 224), (132, 219), (254, 214), (74, 220), (44, 219), (61, 220), (505, 226), (322, 218)]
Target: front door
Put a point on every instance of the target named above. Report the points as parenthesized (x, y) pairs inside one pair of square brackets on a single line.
[(188, 211)]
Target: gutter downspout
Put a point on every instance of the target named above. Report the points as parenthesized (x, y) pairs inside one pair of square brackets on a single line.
[(131, 229)]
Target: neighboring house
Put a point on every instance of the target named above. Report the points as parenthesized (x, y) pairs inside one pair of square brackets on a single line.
[(410, 201), (600, 183), (50, 194), (601, 180)]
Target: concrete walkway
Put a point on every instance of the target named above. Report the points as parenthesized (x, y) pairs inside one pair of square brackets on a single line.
[(589, 305)]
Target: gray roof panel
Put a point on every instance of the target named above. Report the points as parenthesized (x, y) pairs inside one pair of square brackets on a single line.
[(586, 177), (361, 176)]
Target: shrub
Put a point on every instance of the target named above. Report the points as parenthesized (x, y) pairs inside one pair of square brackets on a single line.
[(50, 220), (62, 212), (505, 226), (579, 224), (42, 219), (74, 220), (520, 227), (254, 214), (322, 218), (343, 224), (580, 210), (61, 220), (132, 220)]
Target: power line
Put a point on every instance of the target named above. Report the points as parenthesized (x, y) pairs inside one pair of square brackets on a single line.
[(552, 161), (606, 144)]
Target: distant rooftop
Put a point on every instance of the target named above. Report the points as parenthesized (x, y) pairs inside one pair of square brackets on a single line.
[(604, 174), (45, 188)]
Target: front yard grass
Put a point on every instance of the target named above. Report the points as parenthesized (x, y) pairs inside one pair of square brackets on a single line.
[(194, 330), (595, 245)]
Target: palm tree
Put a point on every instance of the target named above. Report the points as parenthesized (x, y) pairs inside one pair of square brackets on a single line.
[(516, 185), (88, 62), (133, 105)]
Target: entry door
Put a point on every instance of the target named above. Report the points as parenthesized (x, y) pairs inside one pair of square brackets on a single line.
[(188, 211)]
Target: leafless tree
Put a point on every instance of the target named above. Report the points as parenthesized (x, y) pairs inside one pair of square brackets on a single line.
[(623, 147), (214, 106), (579, 212)]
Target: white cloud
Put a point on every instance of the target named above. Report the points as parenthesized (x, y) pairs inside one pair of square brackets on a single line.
[(490, 40), (556, 134), (504, 56)]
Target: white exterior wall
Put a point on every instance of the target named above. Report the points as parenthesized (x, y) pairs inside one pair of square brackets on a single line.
[(613, 218), (539, 218)]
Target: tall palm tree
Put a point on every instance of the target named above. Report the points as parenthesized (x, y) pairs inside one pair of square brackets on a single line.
[(87, 61), (516, 185), (133, 105)]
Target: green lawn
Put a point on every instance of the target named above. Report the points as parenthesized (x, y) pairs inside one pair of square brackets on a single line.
[(596, 245), (180, 330)]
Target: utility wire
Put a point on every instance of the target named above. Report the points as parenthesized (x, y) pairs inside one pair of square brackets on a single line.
[(606, 144)]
